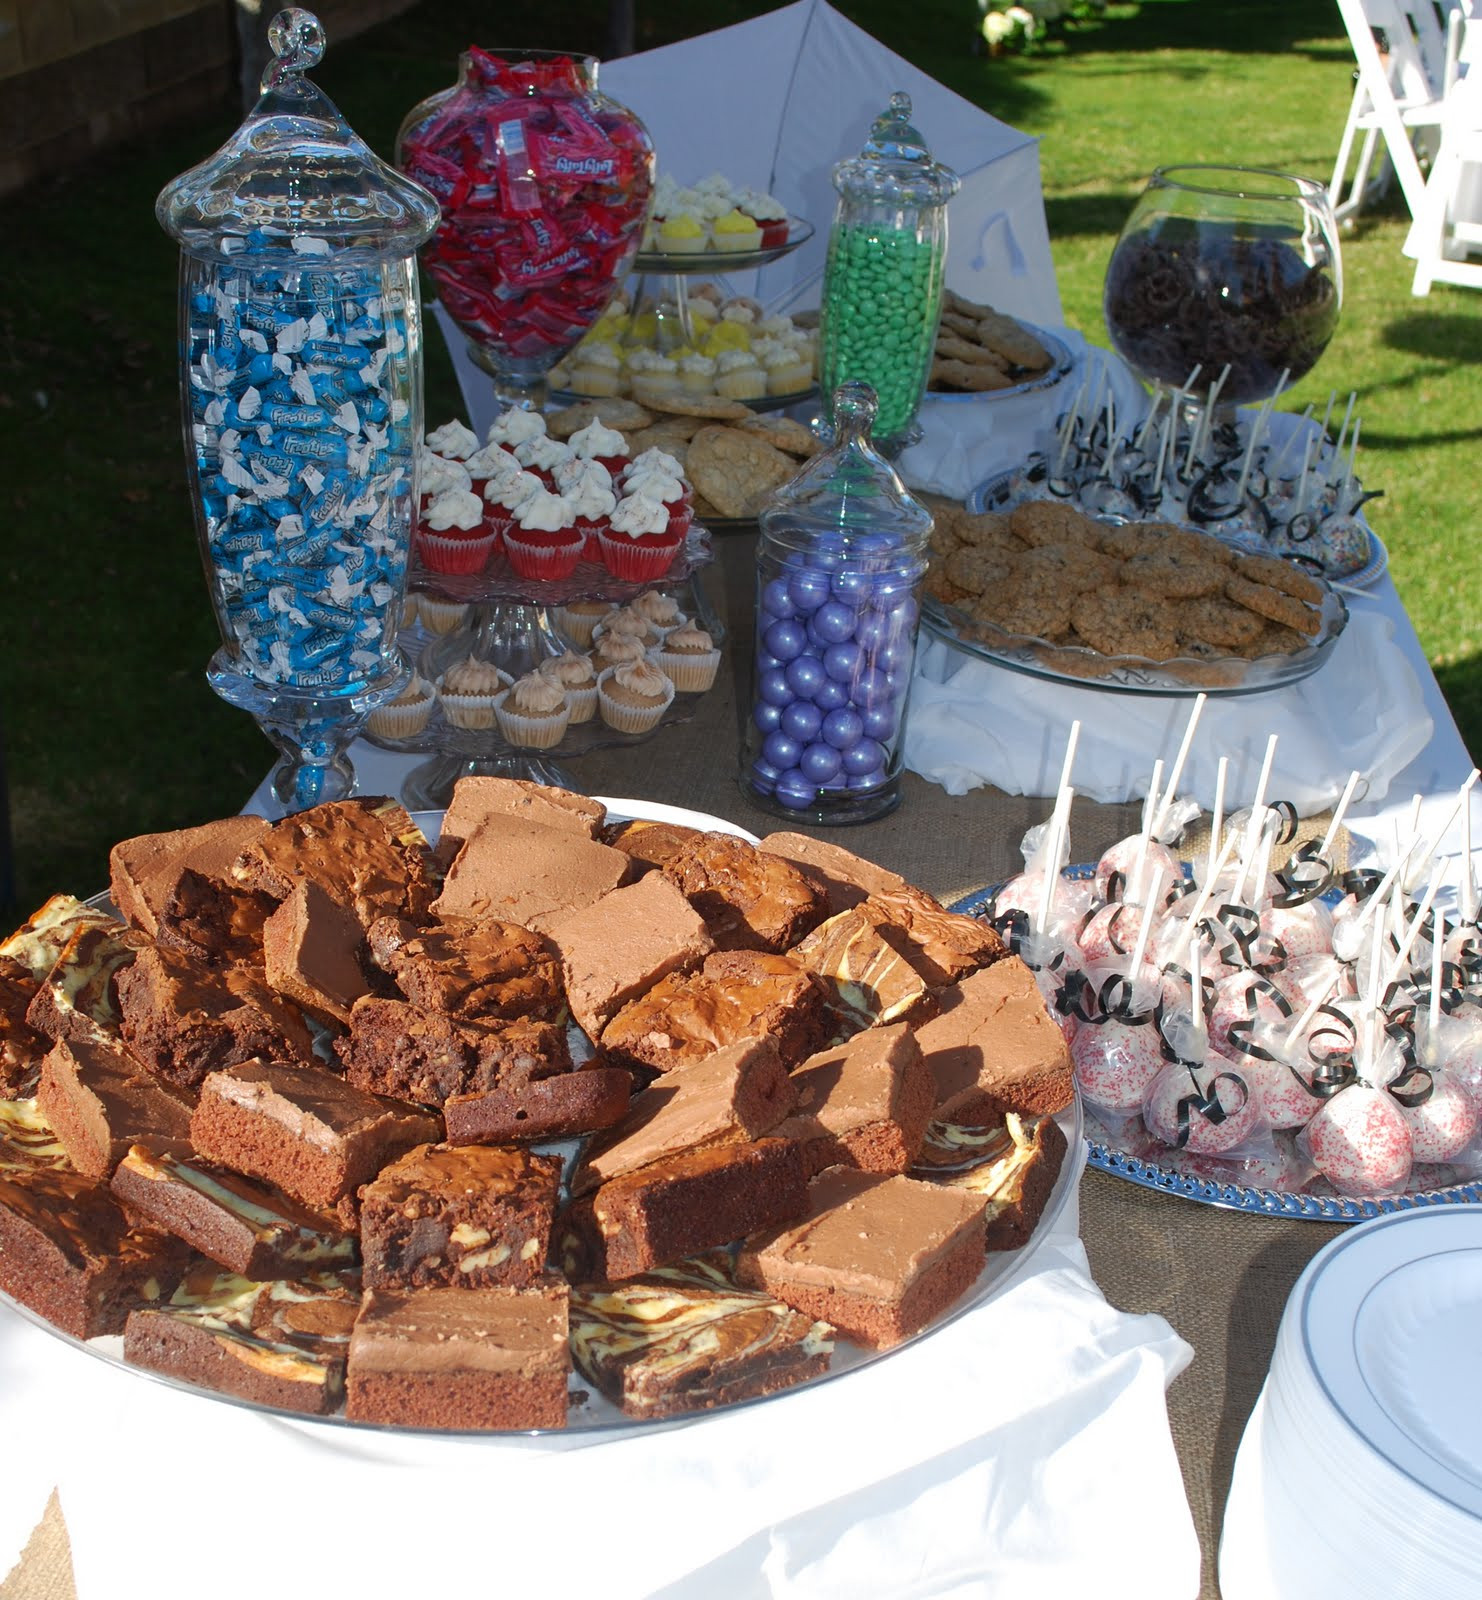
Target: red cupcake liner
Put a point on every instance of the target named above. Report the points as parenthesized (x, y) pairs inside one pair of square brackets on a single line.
[(648, 556), (591, 530), (451, 553), (679, 519), (532, 559), (773, 233)]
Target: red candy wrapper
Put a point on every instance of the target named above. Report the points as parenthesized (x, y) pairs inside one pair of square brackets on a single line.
[(544, 187)]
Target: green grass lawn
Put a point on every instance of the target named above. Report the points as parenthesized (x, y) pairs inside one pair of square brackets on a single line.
[(105, 628)]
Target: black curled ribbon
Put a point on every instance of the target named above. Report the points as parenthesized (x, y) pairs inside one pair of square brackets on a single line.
[(1413, 1087), (1207, 1104), (1305, 877), (1243, 1027), (1360, 882), (1110, 1002)]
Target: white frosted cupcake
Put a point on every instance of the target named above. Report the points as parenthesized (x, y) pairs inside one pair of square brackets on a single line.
[(453, 439), (634, 697), (513, 426), (689, 658), (407, 714), (441, 616), (468, 691), (739, 376), (578, 677), (533, 712)]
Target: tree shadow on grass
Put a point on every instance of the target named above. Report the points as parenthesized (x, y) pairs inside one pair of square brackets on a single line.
[(1439, 336), (1461, 684)]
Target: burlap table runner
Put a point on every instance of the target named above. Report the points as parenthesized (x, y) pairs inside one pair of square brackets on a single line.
[(1220, 1278)]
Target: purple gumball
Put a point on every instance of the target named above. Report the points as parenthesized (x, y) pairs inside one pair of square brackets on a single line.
[(833, 623), (879, 721), (785, 640), (802, 720), (863, 757), (841, 661), (780, 750), (773, 688), (808, 590), (794, 790), (768, 717), (804, 676), (843, 728), (831, 695), (821, 762), (777, 602)]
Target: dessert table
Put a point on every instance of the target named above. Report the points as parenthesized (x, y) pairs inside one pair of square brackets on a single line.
[(1023, 1446)]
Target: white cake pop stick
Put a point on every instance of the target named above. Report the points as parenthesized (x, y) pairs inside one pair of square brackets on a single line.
[(1145, 926), (1418, 864), (1300, 431), (1179, 761), (1468, 886), (1256, 823), (1217, 816), (1054, 843), (1141, 440), (1339, 812), (1402, 955), (1327, 412), (1387, 882), (1069, 762), (1438, 960), (1301, 500), (1162, 454), (1221, 861), (1198, 1028), (1314, 1005), (1342, 435)]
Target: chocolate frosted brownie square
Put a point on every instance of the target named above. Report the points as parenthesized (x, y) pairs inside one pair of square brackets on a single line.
[(618, 948), (488, 971), (583, 1101), (873, 1097), (248, 1226), (650, 844), (682, 1206), (394, 1048), (471, 1217), (876, 1257), (686, 1338), (516, 870), (475, 799), (461, 1358), (367, 854), (183, 1019), (218, 923), (304, 1129), (311, 953), (750, 900), (143, 872), (100, 1099), (736, 995), (844, 877)]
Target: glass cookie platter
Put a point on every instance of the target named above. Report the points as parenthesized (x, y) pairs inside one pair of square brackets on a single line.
[(590, 1413), (1061, 363)]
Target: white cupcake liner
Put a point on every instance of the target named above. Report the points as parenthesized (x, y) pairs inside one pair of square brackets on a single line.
[(629, 719), (576, 626), (583, 703), (531, 733), (689, 673), (472, 710), (440, 616), (401, 719)]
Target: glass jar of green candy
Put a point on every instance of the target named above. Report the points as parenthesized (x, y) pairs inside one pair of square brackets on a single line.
[(882, 288)]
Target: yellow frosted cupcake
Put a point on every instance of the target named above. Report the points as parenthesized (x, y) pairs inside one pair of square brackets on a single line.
[(689, 659), (683, 234), (407, 714), (468, 690), (735, 231), (533, 712), (578, 677), (633, 698)]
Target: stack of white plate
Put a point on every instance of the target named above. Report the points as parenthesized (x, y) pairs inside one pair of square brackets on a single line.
[(1360, 1472)]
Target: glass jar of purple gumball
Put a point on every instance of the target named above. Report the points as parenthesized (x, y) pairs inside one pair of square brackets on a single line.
[(839, 565)]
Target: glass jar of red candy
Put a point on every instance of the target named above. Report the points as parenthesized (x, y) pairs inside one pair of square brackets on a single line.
[(544, 186)]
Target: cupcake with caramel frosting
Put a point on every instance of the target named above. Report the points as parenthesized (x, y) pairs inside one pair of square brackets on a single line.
[(467, 692), (578, 677), (633, 697), (689, 658), (533, 712)]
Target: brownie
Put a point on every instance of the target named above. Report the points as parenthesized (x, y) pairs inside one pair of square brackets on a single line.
[(461, 1358), (306, 1130), (649, 844), (682, 1206), (220, 1355), (143, 872), (737, 1094), (68, 1251), (736, 995), (873, 1097), (477, 971), (367, 854), (616, 949), (862, 961), (994, 1048), (184, 1019), (547, 1108), (27, 1139), (686, 1338), (21, 1047), (750, 900), (475, 798), (36, 945), (470, 1217), (1013, 1163), (316, 1312), (844, 877), (514, 869), (217, 922), (876, 1257), (395, 1048), (943, 945), (249, 1227), (77, 996), (311, 953), (98, 1098)]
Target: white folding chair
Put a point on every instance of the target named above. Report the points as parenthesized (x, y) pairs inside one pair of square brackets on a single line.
[(1399, 91), (1448, 222)]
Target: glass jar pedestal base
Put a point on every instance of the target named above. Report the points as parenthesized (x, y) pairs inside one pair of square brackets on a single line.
[(832, 808)]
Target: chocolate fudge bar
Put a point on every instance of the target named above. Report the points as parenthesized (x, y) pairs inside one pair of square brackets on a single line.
[(616, 949), (876, 1257), (487, 971), (873, 1097), (516, 870), (76, 998), (99, 1099), (737, 1094), (247, 1226), (367, 854), (736, 995), (1013, 1163), (69, 1253), (472, 1217), (994, 1048), (217, 922), (476, 798), (143, 872), (680, 1207), (583, 1101), (304, 1129), (750, 900), (394, 1048), (844, 877), (183, 1019), (311, 953), (685, 1338), (461, 1358)]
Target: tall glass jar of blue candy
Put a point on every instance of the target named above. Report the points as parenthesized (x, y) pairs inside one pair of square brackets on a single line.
[(300, 348), (839, 566)]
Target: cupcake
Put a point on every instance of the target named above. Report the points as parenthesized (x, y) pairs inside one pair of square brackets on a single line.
[(653, 376), (533, 712), (683, 234), (577, 620), (468, 690), (618, 650), (542, 456), (440, 616), (596, 369), (436, 474), (453, 537), (505, 499), (654, 459), (689, 658), (739, 376), (490, 463), (578, 677), (592, 505), (734, 231), (697, 373), (632, 698), (513, 426), (601, 444), (453, 439), (770, 216), (660, 609), (669, 490), (624, 620), (640, 545), (542, 542), (407, 714)]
